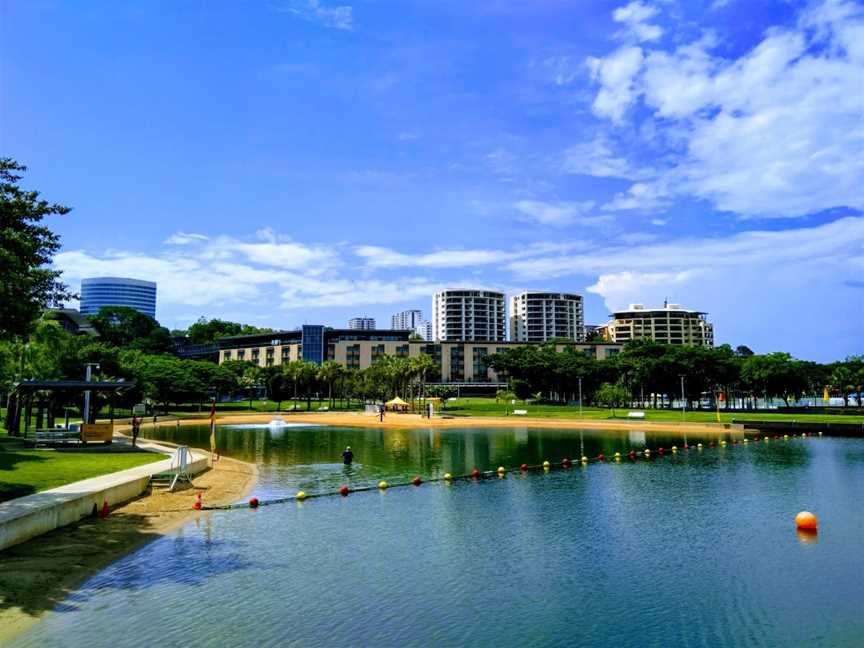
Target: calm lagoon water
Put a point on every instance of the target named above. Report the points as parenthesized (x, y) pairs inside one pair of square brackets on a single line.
[(697, 549)]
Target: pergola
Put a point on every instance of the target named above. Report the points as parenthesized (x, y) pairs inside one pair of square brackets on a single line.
[(26, 392)]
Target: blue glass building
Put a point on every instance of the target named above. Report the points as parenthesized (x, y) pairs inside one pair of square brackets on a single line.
[(117, 291)]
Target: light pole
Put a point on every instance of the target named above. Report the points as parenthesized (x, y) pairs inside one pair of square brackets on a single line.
[(87, 376), (683, 399), (580, 395)]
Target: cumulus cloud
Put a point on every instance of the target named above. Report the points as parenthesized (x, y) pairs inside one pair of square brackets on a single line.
[(635, 16), (182, 238), (776, 132)]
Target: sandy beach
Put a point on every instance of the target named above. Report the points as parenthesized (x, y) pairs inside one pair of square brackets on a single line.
[(396, 420), (39, 574)]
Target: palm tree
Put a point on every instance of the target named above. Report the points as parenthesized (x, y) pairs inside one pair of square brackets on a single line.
[(329, 373)]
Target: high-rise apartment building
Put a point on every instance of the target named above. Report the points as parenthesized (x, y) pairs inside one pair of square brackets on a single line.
[(407, 320), (468, 315), (361, 323), (671, 324), (543, 316), (424, 330), (97, 292)]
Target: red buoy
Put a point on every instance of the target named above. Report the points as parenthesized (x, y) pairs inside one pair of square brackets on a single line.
[(417, 481), (344, 491), (659, 450), (565, 462), (632, 454), (601, 457), (523, 467), (475, 473), (104, 512), (253, 503), (197, 504)]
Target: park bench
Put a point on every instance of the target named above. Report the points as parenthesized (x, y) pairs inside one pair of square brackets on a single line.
[(324, 409), (520, 412), (52, 436), (636, 415)]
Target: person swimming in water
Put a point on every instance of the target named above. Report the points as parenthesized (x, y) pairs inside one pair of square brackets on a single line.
[(347, 456)]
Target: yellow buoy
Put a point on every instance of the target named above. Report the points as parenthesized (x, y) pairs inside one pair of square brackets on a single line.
[(584, 459), (699, 445), (674, 448), (647, 452), (723, 443), (820, 432), (803, 434), (447, 476), (617, 455), (746, 440), (383, 485), (546, 464), (501, 470), (766, 439), (300, 496)]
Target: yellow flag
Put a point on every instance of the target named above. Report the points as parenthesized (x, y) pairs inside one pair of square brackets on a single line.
[(825, 396)]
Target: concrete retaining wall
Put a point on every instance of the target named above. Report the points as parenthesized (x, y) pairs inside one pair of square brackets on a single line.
[(28, 517)]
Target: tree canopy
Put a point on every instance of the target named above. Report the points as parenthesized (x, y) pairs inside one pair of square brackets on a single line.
[(27, 283)]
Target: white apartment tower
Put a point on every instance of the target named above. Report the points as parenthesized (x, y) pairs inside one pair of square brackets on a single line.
[(543, 316), (424, 330), (468, 315), (407, 320), (362, 323)]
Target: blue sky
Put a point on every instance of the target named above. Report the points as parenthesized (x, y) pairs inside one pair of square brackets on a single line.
[(302, 161)]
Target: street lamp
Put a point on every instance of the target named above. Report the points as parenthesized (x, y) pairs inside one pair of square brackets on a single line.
[(580, 395), (87, 376), (683, 398)]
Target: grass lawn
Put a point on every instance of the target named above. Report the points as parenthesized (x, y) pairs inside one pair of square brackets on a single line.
[(258, 407), (24, 471), (488, 407)]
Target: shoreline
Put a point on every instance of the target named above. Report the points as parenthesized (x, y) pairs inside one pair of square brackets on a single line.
[(396, 420), (39, 574)]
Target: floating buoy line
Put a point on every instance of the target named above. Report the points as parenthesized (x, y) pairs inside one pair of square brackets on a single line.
[(501, 472)]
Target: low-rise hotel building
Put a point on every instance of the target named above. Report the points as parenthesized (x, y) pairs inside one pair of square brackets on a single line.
[(361, 323), (544, 316), (671, 324), (468, 315), (459, 361)]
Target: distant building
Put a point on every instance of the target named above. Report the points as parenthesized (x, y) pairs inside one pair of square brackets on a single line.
[(671, 324), (361, 323), (117, 291), (70, 320), (457, 362), (424, 330), (544, 316), (468, 315), (407, 320), (599, 330)]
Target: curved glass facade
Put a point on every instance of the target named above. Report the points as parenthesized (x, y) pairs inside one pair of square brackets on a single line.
[(118, 291)]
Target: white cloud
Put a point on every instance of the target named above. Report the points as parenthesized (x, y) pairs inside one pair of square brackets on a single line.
[(596, 158), (557, 214), (182, 238), (616, 75), (635, 16), (338, 17), (777, 132)]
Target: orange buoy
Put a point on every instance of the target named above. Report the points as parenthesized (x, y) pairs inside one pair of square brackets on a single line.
[(104, 512), (253, 503), (475, 473), (523, 467), (343, 491), (565, 462), (417, 481), (601, 457), (806, 520), (197, 504)]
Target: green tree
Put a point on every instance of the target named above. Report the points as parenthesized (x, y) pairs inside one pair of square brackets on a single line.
[(126, 327), (27, 284), (612, 396)]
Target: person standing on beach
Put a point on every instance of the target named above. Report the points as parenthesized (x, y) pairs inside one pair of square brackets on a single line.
[(381, 413)]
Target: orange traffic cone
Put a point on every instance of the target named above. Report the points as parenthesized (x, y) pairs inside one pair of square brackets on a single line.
[(198, 503), (104, 512)]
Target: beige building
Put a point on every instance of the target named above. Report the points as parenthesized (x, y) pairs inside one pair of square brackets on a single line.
[(543, 316), (460, 361), (671, 324)]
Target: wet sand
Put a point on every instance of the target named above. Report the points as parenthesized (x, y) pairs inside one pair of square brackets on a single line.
[(37, 575)]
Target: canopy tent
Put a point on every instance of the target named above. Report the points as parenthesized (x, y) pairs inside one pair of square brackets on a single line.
[(397, 404)]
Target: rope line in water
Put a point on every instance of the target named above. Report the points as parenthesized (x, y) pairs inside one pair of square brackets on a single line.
[(477, 475)]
